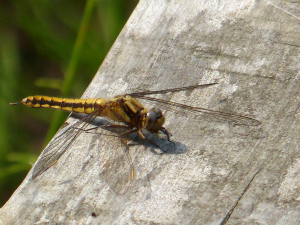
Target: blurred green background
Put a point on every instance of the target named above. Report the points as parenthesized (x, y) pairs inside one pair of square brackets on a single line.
[(48, 47)]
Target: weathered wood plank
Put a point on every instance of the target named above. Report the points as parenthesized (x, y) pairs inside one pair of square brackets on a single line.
[(217, 173)]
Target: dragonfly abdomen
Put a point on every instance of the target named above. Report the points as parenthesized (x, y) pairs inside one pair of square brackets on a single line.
[(70, 105)]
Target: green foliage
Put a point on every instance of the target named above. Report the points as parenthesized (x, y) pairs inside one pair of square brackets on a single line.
[(47, 47)]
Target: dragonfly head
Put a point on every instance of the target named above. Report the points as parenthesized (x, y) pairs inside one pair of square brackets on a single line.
[(155, 120)]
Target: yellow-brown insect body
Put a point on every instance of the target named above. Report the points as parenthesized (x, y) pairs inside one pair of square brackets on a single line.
[(70, 105), (122, 108)]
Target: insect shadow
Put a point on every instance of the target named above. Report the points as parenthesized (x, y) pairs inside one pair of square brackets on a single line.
[(157, 143)]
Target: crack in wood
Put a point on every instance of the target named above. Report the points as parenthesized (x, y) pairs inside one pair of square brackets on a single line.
[(228, 215)]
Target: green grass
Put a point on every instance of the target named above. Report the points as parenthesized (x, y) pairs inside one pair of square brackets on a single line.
[(47, 47)]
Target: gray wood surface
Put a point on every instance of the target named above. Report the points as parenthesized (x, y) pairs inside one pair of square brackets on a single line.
[(217, 173)]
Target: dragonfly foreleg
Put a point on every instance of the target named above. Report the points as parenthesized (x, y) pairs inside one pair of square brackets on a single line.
[(143, 137), (164, 130)]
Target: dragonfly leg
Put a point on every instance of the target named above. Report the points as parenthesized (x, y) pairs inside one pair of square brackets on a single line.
[(129, 132), (105, 126), (93, 128), (118, 126), (86, 130), (164, 130), (143, 137)]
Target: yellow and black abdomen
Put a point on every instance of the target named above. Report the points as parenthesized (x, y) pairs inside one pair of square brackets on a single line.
[(124, 109), (70, 105)]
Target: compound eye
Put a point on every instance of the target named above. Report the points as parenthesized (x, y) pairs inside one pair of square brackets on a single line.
[(155, 120), (151, 118)]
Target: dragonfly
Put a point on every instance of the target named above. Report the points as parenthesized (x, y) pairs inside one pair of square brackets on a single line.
[(130, 115)]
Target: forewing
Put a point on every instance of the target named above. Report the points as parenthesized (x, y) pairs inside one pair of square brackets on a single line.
[(170, 90), (210, 114)]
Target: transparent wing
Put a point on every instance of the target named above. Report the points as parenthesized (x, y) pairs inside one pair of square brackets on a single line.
[(117, 167), (211, 114), (56, 148), (192, 87)]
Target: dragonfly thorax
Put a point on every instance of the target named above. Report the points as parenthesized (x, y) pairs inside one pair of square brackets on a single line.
[(155, 120)]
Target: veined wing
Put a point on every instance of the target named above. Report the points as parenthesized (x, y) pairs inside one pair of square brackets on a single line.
[(56, 148), (117, 165), (117, 168), (211, 114), (192, 87)]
